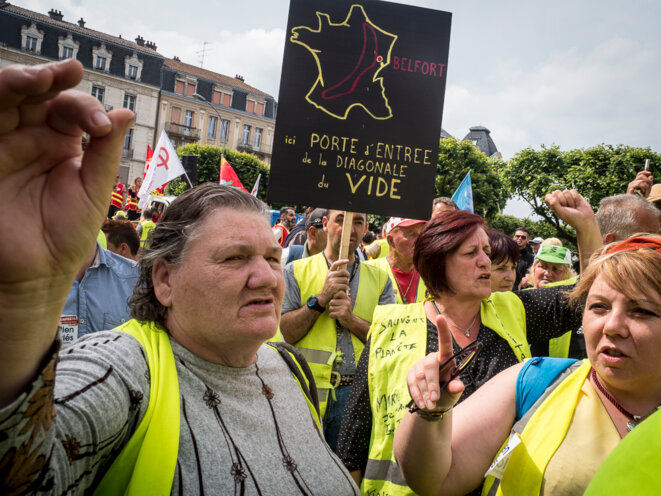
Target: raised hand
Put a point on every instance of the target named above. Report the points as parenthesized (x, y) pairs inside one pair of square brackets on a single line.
[(54, 201), (424, 377)]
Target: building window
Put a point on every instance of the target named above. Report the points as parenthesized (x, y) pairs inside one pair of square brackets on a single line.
[(250, 107), (188, 118), (67, 52), (128, 140), (102, 57), (67, 47), (227, 100), (258, 137), (31, 43), (129, 102), (260, 109), (179, 87), (133, 67), (100, 63), (132, 72), (246, 134), (98, 92), (31, 38), (211, 128), (190, 89), (224, 130)]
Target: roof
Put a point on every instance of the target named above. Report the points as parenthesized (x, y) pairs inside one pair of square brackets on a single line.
[(481, 137), (445, 134), (75, 28), (180, 66)]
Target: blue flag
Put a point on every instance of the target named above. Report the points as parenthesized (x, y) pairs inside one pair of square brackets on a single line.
[(463, 196)]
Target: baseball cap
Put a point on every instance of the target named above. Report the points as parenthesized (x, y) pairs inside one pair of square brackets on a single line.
[(536, 240), (554, 254), (401, 222), (315, 218)]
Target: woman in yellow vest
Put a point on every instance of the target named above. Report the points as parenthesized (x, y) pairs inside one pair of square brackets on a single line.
[(452, 255), (543, 427)]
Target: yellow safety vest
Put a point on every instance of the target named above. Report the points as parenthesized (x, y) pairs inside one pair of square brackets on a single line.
[(541, 430), (633, 466), (146, 464), (319, 345), (398, 339), (147, 227), (383, 264), (385, 248)]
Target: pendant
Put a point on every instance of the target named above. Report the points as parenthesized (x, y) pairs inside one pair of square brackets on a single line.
[(467, 332), (633, 422)]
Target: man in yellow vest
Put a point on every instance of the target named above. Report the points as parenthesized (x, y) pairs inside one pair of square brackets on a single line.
[(327, 311), (401, 234)]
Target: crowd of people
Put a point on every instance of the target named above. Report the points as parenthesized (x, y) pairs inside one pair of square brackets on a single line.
[(207, 351)]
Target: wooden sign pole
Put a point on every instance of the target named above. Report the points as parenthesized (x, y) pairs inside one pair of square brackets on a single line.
[(346, 236)]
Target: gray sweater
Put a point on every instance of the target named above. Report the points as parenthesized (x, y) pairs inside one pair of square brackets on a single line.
[(241, 429)]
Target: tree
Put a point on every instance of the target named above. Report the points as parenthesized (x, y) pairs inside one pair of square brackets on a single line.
[(455, 159), (595, 172)]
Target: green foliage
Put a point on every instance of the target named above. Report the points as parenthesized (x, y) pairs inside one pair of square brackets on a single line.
[(595, 172), (507, 224), (246, 166), (455, 159)]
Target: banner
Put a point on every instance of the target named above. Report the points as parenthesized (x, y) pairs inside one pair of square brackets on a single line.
[(463, 196), (164, 167), (228, 176), (360, 107)]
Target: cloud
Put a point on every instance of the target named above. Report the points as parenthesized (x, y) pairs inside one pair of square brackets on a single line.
[(574, 98)]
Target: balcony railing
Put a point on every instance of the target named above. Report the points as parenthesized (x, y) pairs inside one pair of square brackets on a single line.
[(187, 132), (127, 153)]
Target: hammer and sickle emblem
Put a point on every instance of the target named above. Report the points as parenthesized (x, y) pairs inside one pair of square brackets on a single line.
[(163, 156)]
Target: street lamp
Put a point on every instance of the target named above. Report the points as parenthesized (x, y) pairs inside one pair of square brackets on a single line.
[(199, 97)]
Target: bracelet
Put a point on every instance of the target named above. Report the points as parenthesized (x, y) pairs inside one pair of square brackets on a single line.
[(433, 416)]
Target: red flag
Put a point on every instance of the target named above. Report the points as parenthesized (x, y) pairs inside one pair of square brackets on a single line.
[(228, 176)]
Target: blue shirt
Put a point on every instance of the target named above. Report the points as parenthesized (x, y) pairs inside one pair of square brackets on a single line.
[(100, 300)]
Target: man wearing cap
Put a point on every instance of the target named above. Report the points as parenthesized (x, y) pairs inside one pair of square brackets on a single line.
[(526, 257), (401, 234), (326, 314), (315, 238), (535, 243)]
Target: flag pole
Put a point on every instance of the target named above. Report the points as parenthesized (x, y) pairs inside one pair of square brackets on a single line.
[(188, 179)]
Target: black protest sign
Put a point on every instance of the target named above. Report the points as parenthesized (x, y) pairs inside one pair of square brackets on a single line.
[(360, 107)]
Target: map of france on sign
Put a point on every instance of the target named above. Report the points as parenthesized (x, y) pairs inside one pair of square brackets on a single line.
[(360, 107)]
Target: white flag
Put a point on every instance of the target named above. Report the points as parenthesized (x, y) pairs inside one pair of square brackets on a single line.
[(165, 166), (256, 186)]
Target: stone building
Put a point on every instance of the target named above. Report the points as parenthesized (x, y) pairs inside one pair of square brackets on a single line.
[(119, 72), (198, 105)]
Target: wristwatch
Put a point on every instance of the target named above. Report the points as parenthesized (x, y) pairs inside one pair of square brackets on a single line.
[(313, 304)]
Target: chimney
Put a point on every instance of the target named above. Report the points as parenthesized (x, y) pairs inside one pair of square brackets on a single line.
[(81, 22), (239, 77), (55, 14), (140, 40), (176, 58), (151, 45)]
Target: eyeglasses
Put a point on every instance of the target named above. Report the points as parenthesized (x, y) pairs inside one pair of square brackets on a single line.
[(462, 359), (520, 236)]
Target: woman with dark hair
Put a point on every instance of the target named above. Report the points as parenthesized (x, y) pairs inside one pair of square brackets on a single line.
[(452, 257), (504, 260)]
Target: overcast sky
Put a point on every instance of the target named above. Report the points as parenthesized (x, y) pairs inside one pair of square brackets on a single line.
[(571, 73)]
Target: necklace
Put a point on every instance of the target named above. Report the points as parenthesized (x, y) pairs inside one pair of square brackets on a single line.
[(403, 295), (467, 331), (634, 420)]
